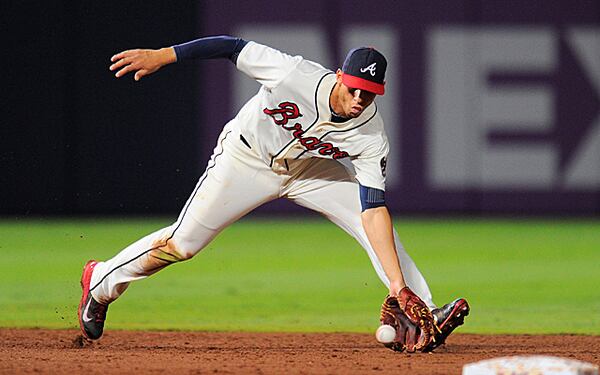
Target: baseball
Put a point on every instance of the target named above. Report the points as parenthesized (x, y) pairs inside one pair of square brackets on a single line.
[(385, 334)]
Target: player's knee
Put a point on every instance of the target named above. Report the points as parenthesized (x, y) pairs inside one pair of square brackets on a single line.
[(181, 254), (185, 250), (184, 255)]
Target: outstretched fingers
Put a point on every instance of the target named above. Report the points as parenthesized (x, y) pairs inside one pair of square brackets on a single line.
[(125, 62), (141, 61)]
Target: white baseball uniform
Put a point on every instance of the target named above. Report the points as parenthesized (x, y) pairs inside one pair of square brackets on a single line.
[(281, 144)]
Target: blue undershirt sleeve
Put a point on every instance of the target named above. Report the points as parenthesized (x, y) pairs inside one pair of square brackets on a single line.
[(371, 197), (213, 47)]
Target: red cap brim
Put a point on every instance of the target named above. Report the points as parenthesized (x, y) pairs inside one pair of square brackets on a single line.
[(363, 84)]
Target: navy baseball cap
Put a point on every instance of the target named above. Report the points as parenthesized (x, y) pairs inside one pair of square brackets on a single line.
[(364, 68)]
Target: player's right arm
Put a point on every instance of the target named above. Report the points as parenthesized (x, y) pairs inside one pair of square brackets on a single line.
[(147, 61), (266, 65)]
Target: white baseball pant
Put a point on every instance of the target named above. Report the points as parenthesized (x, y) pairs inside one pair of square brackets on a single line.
[(235, 182)]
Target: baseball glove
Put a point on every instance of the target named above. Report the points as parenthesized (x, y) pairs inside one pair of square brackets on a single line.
[(414, 324)]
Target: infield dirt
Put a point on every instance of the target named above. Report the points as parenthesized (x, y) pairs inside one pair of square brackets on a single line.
[(120, 352)]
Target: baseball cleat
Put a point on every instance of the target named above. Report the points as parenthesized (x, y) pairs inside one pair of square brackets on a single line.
[(447, 318), (91, 313)]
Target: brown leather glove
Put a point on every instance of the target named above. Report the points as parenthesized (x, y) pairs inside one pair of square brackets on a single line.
[(414, 324), (407, 332)]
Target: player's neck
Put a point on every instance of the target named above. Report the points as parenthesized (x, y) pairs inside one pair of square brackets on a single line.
[(334, 103)]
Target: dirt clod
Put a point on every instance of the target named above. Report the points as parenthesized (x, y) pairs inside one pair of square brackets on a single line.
[(80, 342)]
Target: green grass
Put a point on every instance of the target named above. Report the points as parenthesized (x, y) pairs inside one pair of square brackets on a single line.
[(530, 276)]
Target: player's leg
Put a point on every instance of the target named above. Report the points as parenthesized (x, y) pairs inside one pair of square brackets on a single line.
[(327, 187), (235, 182)]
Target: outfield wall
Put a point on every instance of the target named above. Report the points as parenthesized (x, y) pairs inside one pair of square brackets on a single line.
[(491, 106)]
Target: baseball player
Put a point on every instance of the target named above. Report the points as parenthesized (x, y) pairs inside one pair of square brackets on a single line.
[(309, 135)]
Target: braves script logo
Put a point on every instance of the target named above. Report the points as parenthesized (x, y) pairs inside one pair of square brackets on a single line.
[(288, 111), (371, 68)]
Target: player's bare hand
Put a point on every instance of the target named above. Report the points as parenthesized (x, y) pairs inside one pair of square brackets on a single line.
[(141, 61)]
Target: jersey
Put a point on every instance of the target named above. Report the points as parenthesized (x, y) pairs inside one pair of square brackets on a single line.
[(290, 117)]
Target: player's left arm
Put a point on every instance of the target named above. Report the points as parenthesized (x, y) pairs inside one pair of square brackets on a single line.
[(401, 301), (377, 223), (370, 168)]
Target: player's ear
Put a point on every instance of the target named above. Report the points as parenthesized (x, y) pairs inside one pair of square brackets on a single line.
[(338, 75)]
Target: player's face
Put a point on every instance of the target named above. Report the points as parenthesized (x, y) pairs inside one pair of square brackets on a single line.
[(351, 101)]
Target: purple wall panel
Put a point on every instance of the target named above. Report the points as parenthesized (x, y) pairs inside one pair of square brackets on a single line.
[(517, 81)]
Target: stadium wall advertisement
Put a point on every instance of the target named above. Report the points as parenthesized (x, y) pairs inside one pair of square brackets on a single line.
[(490, 107)]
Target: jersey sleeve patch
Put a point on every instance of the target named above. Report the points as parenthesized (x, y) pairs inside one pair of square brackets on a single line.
[(383, 165)]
